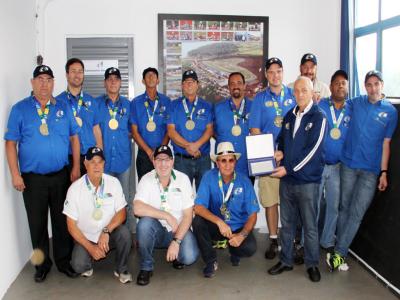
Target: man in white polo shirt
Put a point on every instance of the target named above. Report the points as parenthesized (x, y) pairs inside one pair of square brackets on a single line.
[(164, 202), (95, 210)]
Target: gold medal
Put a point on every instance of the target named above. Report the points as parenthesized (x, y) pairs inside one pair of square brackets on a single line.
[(278, 121), (335, 133), (190, 125), (151, 126), (236, 130), (97, 214), (79, 121), (44, 129), (113, 124)]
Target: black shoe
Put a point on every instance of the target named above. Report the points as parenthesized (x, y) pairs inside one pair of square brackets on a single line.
[(177, 265), (298, 255), (271, 251), (40, 275), (313, 274), (235, 260), (279, 268), (143, 277), (69, 272)]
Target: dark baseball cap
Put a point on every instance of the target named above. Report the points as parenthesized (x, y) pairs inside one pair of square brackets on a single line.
[(189, 74), (150, 69), (112, 71), (308, 57), (375, 73), (94, 151), (339, 73), (271, 61), (42, 69), (163, 149)]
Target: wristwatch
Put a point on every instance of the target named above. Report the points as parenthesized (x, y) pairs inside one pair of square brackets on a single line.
[(106, 230), (176, 240)]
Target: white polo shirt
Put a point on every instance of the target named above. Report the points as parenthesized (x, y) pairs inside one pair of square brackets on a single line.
[(179, 197), (80, 204)]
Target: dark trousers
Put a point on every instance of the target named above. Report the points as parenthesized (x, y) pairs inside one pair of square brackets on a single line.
[(41, 193), (143, 164), (206, 231), (81, 165)]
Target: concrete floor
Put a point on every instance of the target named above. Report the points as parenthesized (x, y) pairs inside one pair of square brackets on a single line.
[(248, 281)]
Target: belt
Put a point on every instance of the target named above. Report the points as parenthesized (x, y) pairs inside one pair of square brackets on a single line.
[(47, 174), (187, 156)]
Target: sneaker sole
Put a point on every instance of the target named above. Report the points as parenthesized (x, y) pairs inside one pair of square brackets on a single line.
[(122, 280), (87, 273)]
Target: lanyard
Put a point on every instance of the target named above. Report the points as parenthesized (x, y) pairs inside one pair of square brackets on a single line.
[(42, 115), (189, 116), (77, 109), (237, 114), (225, 198), (277, 106), (146, 104), (336, 122), (164, 191), (98, 194), (112, 109)]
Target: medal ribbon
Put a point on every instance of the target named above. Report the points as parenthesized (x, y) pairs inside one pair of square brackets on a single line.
[(277, 105), (76, 109), (189, 116), (336, 122), (164, 191), (113, 109), (43, 115), (237, 114), (147, 104), (225, 198), (98, 194)]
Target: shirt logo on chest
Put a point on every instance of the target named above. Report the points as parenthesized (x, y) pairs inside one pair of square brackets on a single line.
[(269, 104), (308, 126), (238, 191), (288, 102), (60, 113), (287, 126)]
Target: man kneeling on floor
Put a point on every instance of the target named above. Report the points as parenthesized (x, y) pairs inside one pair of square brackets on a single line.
[(164, 203), (226, 207), (95, 210)]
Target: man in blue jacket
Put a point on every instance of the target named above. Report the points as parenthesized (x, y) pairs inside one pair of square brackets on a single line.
[(301, 158)]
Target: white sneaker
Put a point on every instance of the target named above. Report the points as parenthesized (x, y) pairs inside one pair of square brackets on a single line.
[(124, 277), (87, 273)]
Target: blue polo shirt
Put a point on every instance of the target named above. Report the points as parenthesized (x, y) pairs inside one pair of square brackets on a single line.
[(242, 204), (202, 116), (87, 114), (370, 125), (140, 118), (116, 143), (38, 153), (263, 112), (223, 123), (332, 147)]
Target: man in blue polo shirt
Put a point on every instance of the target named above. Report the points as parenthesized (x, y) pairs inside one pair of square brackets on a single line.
[(268, 109), (190, 128), (83, 108), (365, 161), (231, 123), (38, 136), (226, 207), (149, 114), (338, 120), (301, 157), (114, 119)]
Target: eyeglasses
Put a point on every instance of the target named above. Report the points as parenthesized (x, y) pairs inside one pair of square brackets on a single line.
[(224, 160), (161, 160)]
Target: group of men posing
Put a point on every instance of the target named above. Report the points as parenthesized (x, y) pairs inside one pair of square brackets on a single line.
[(331, 152)]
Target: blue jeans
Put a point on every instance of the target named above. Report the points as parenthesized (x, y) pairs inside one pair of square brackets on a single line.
[(124, 180), (358, 189), (151, 234), (193, 168), (299, 201), (329, 193)]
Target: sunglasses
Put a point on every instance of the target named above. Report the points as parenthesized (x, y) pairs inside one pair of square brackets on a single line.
[(224, 160)]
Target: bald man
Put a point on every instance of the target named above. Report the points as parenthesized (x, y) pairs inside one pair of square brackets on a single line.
[(301, 162)]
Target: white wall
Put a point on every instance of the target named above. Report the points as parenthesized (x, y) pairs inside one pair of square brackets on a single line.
[(17, 60), (296, 27)]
